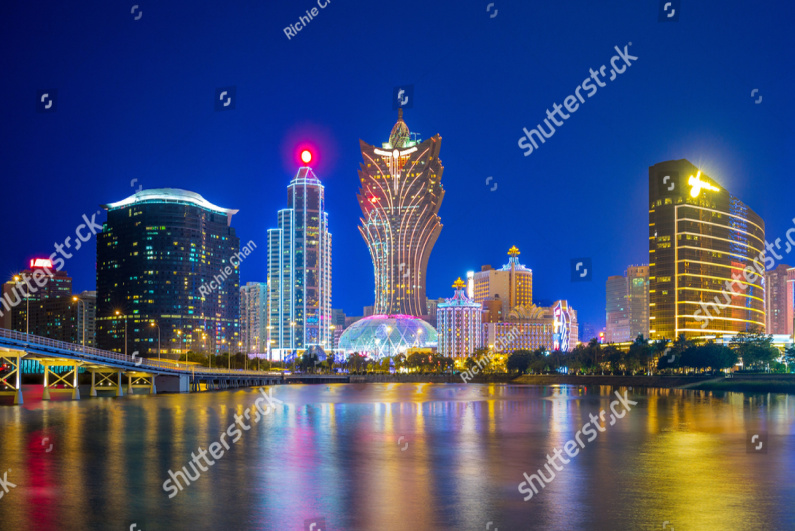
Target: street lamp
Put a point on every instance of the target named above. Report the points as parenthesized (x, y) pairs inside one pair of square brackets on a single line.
[(158, 338), (17, 278), (78, 301), (125, 331)]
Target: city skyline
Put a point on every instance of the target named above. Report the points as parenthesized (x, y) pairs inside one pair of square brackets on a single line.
[(223, 155)]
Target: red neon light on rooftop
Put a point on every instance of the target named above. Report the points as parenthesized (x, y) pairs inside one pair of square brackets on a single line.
[(306, 156), (40, 262)]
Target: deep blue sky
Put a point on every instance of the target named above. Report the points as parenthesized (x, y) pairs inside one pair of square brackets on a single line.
[(135, 101)]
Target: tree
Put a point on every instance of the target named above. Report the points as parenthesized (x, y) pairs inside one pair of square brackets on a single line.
[(755, 348), (519, 360), (789, 357)]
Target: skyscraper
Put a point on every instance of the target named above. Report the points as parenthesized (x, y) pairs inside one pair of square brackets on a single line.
[(299, 268), (701, 238), (627, 311), (617, 314), (778, 304), (254, 317), (158, 252), (400, 194), (512, 283), (459, 324)]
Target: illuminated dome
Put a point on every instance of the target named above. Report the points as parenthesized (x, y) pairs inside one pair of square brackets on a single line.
[(400, 134), (379, 336)]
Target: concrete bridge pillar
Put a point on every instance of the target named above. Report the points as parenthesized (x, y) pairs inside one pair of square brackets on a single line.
[(76, 389), (152, 388), (93, 384), (129, 384), (46, 394), (119, 391)]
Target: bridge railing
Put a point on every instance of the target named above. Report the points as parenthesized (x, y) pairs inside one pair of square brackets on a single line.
[(95, 354)]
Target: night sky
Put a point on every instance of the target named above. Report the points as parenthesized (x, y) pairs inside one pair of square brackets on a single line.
[(136, 100)]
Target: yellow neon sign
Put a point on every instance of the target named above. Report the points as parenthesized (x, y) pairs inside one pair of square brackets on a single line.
[(697, 185)]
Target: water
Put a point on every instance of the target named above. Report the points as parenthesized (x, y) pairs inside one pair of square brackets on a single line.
[(400, 456)]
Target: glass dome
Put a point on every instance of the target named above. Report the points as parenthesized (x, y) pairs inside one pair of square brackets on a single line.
[(381, 336)]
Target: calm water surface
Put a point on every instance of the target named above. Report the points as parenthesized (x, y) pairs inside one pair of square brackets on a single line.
[(400, 456)]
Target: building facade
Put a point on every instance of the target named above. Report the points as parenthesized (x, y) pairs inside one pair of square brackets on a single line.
[(87, 318), (167, 275), (512, 284), (400, 194), (254, 317), (778, 301), (459, 324), (701, 239), (616, 311), (299, 269), (38, 300), (532, 327), (627, 310)]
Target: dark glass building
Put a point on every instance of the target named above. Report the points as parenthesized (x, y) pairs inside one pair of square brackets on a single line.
[(701, 240), (400, 195), (168, 258)]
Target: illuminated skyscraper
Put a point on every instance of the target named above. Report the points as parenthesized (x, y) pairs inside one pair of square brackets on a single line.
[(459, 324), (254, 317), (628, 305), (299, 268), (156, 255), (400, 195), (701, 238), (512, 283)]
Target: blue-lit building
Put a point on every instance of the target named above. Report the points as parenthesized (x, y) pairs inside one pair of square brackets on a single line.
[(299, 270), (167, 265)]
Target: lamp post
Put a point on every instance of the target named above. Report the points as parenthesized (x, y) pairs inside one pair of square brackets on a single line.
[(125, 331), (17, 278), (78, 301), (158, 338)]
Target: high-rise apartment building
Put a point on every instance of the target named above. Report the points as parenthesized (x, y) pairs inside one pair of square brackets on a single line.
[(459, 324), (617, 313), (299, 268), (512, 284), (167, 260), (39, 300), (254, 317), (778, 301), (791, 300), (627, 311), (400, 194), (701, 239), (86, 317)]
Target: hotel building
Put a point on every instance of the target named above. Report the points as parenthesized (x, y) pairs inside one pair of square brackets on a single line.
[(458, 324), (701, 238), (156, 250), (299, 269), (512, 284), (400, 194), (531, 327)]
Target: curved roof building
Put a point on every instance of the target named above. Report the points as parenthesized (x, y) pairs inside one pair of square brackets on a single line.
[(701, 240), (168, 257), (387, 335), (400, 195)]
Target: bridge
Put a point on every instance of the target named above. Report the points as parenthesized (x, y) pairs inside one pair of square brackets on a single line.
[(108, 368)]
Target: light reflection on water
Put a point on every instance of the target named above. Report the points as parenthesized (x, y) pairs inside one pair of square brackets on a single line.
[(400, 456)]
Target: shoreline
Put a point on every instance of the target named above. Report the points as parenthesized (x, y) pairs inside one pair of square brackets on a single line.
[(772, 383)]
